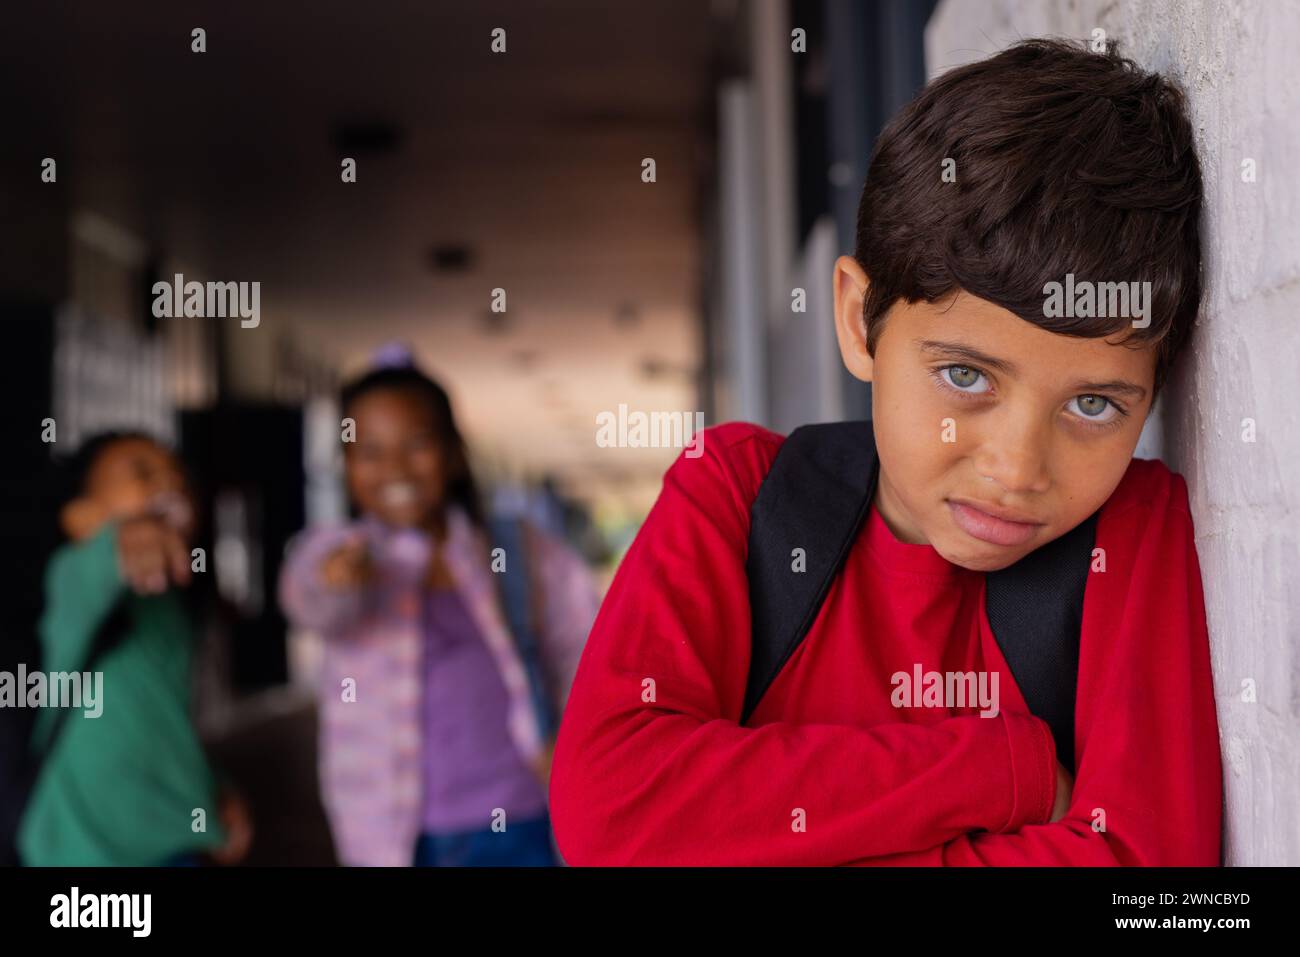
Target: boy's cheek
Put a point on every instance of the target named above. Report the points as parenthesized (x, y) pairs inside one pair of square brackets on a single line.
[(919, 447), (1087, 490)]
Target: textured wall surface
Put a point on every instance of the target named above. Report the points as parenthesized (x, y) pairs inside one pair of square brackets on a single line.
[(1237, 63)]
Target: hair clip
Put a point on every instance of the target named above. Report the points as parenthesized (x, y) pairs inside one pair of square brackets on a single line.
[(393, 355)]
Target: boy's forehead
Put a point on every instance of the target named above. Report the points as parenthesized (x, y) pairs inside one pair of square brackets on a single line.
[(128, 454), (1024, 349)]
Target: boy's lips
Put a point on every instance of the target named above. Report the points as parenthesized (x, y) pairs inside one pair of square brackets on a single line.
[(992, 524)]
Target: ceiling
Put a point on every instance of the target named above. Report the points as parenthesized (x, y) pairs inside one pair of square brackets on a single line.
[(228, 162)]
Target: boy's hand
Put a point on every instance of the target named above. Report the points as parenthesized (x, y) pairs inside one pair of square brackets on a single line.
[(151, 552), (238, 823), (1064, 792), (348, 566)]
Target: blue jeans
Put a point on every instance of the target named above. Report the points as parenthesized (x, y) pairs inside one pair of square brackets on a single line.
[(521, 844)]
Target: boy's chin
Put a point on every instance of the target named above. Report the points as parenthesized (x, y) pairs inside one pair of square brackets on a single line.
[(979, 557)]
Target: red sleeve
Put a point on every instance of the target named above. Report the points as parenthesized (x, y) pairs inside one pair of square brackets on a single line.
[(652, 768), (1148, 788)]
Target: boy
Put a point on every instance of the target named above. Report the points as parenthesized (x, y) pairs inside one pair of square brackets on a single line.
[(122, 788), (1001, 423)]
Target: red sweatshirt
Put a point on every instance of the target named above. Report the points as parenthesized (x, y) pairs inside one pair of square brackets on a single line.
[(652, 767)]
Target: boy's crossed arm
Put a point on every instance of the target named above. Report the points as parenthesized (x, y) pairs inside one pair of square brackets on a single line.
[(669, 788)]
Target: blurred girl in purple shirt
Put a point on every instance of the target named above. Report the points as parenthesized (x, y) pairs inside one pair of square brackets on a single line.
[(433, 751)]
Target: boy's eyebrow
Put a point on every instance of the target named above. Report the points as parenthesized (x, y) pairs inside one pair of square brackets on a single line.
[(955, 350), (1118, 386)]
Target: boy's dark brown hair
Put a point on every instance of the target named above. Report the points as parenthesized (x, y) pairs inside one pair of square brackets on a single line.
[(1066, 161)]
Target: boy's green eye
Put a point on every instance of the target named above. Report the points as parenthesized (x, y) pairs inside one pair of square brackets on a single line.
[(963, 377), (1092, 405), (1098, 410)]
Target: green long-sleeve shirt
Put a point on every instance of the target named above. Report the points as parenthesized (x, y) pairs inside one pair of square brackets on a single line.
[(121, 788)]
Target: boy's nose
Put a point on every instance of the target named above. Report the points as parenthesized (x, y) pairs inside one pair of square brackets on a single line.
[(1017, 462)]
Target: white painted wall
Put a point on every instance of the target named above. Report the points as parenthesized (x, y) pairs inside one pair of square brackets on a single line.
[(1237, 62)]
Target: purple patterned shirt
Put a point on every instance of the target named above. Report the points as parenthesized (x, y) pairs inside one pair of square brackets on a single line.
[(471, 765)]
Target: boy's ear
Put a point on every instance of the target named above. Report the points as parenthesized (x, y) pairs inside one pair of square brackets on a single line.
[(81, 518), (850, 290)]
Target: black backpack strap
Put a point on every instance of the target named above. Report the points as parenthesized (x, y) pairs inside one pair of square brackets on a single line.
[(815, 497), (1035, 608)]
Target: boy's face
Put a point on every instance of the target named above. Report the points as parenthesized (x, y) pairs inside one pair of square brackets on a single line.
[(128, 478), (995, 437)]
